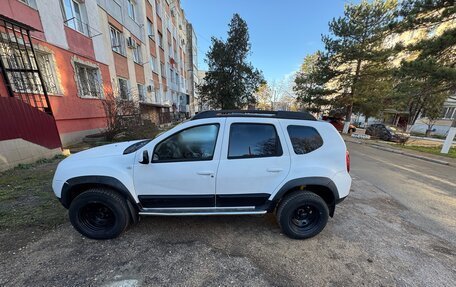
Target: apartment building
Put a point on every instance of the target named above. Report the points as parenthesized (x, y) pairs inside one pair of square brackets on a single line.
[(192, 71), (60, 59), (52, 60), (147, 55)]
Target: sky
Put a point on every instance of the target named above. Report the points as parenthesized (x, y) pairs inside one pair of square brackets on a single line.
[(282, 32)]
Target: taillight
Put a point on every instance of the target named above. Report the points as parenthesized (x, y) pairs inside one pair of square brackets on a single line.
[(347, 160)]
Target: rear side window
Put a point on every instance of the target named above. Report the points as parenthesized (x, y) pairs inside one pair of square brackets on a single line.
[(304, 139), (253, 140)]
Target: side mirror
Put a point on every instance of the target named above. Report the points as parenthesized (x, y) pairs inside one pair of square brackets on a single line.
[(145, 157)]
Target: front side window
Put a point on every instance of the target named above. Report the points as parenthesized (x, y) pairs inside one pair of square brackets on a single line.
[(304, 139), (117, 41), (196, 143), (88, 81), (249, 140)]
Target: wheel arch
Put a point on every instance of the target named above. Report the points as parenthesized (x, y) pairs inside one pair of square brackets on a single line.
[(322, 186), (76, 185)]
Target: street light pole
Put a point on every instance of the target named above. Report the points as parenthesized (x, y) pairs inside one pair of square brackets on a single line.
[(449, 139)]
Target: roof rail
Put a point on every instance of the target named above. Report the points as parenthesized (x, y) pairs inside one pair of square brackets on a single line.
[(255, 113)]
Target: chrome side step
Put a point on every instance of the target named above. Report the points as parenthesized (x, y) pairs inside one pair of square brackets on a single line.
[(243, 210)]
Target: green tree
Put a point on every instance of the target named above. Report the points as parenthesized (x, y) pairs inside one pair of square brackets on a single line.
[(375, 88), (432, 111), (230, 81), (431, 73), (353, 42), (310, 83)]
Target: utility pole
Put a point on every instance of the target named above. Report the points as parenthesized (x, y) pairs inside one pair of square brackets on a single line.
[(449, 139)]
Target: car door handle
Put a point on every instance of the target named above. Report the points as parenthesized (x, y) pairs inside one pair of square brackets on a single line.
[(274, 169), (205, 173)]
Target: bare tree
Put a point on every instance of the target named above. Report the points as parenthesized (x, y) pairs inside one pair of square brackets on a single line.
[(120, 114)]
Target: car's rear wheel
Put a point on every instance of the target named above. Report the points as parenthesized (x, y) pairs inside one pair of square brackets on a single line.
[(302, 215), (99, 213)]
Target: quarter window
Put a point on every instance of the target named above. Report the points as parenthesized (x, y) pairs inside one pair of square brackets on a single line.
[(253, 140), (196, 143), (304, 139)]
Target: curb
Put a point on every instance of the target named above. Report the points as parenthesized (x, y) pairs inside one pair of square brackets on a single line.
[(409, 154)]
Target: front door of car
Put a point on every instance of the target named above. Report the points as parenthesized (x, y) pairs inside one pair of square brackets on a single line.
[(254, 162), (183, 168)]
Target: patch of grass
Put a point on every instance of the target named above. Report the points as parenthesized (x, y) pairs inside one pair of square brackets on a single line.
[(432, 150), (26, 197)]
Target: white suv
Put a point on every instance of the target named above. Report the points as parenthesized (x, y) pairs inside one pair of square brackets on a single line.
[(218, 163)]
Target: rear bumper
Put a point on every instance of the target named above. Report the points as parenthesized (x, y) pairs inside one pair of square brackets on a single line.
[(343, 181)]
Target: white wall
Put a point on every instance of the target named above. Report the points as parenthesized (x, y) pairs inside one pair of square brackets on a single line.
[(52, 20)]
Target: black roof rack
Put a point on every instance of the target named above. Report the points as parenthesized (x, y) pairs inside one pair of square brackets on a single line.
[(255, 113)]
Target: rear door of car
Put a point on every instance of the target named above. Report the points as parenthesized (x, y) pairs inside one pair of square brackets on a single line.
[(254, 161)]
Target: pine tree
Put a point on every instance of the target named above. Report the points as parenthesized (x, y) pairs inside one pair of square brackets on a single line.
[(432, 72), (353, 42), (231, 81), (310, 83)]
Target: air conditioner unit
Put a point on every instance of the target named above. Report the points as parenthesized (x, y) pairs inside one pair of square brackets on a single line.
[(131, 43)]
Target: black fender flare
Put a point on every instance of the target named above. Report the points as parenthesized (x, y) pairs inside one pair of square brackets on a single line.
[(79, 181), (306, 181)]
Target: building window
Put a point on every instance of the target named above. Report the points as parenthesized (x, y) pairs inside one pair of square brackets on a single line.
[(153, 64), (124, 89), (74, 15), (141, 94), (137, 53), (160, 40), (131, 9), (31, 3), (117, 41), (159, 9), (304, 139), (150, 29), (449, 113), (171, 75), (162, 68), (47, 68), (88, 79), (249, 140)]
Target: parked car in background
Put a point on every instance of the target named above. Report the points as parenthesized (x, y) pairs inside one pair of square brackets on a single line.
[(338, 123), (387, 133)]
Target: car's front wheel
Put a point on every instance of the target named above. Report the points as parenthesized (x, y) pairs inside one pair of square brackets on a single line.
[(302, 215), (99, 213)]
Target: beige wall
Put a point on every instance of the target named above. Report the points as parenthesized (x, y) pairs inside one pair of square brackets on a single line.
[(17, 151)]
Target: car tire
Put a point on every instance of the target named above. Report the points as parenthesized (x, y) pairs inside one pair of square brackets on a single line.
[(302, 214), (99, 213)]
